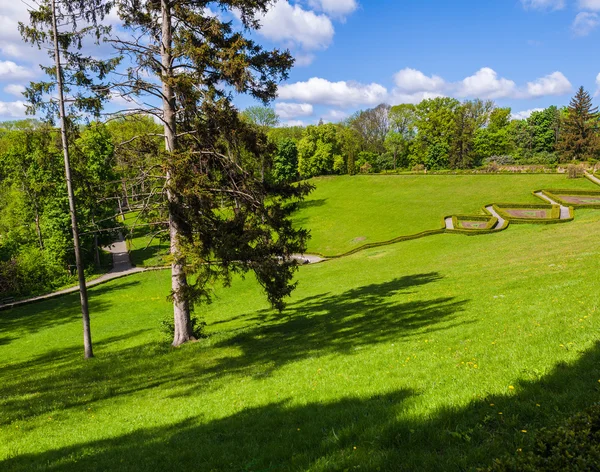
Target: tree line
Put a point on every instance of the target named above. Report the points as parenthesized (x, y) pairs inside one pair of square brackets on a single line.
[(436, 134)]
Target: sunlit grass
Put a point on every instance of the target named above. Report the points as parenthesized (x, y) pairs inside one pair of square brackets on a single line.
[(434, 354), (346, 212)]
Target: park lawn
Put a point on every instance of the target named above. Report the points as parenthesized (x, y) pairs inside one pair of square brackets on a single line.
[(346, 212), (145, 248), (435, 354)]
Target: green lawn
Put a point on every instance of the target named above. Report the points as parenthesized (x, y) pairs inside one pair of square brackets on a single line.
[(346, 212), (434, 354), (146, 249)]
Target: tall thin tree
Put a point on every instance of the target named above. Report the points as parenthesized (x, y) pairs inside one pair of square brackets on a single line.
[(61, 26)]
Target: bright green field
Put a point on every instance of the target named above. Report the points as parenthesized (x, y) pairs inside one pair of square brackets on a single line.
[(346, 212), (145, 250), (434, 354)]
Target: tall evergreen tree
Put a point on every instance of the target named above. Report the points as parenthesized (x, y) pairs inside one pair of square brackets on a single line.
[(222, 219), (578, 140)]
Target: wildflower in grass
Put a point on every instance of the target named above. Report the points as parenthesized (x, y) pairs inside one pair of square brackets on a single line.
[(511, 387)]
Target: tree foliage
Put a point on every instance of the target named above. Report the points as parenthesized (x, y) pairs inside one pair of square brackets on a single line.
[(579, 137)]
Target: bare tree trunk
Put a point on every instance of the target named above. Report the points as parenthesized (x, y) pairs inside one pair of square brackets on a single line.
[(181, 308), (87, 335)]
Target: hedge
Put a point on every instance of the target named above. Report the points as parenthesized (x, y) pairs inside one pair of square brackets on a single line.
[(575, 446), (491, 220), (554, 215), (385, 243), (554, 195)]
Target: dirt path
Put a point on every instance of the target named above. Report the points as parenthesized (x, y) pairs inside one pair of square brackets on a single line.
[(565, 214)]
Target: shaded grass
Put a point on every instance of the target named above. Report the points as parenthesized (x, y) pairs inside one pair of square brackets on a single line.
[(346, 212), (406, 353)]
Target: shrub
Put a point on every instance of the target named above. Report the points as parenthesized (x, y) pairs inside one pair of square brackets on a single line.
[(418, 168), (574, 446), (167, 326), (575, 171), (500, 160), (542, 158)]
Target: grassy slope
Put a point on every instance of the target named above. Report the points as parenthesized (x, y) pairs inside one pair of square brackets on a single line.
[(347, 212), (144, 249), (397, 358)]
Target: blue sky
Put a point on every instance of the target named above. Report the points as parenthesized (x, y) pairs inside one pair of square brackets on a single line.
[(354, 54)]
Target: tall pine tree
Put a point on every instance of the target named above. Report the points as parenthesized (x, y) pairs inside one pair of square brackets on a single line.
[(578, 140)]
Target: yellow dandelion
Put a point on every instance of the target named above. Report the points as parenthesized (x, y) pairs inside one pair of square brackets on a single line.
[(511, 387)]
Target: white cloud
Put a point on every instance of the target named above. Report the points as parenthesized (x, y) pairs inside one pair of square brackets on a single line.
[(589, 5), (335, 8), (543, 4), (12, 109), (411, 81), (293, 110), (398, 97), (597, 85), (294, 123), (10, 70), (341, 94), (584, 23), (334, 116), (485, 83), (553, 84), (294, 25), (523, 115), (304, 59), (15, 89)]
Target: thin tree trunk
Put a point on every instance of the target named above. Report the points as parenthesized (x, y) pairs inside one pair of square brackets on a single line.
[(181, 309), (38, 230), (87, 335)]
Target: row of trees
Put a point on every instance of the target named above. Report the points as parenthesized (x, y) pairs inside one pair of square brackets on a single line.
[(439, 133), (36, 249)]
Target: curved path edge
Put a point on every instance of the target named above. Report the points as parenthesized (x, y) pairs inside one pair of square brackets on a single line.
[(122, 264)]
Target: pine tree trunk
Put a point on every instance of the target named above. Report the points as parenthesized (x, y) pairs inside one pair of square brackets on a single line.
[(181, 309), (87, 334)]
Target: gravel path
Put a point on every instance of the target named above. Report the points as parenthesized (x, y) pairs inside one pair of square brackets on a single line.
[(308, 258), (495, 214), (121, 268), (565, 214), (593, 178)]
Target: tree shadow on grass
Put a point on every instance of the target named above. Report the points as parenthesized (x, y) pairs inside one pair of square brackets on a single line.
[(339, 323), (315, 326), (371, 434), (56, 311), (61, 379)]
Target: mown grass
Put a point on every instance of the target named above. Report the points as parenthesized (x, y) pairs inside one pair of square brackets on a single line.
[(347, 212), (146, 248), (435, 354)]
